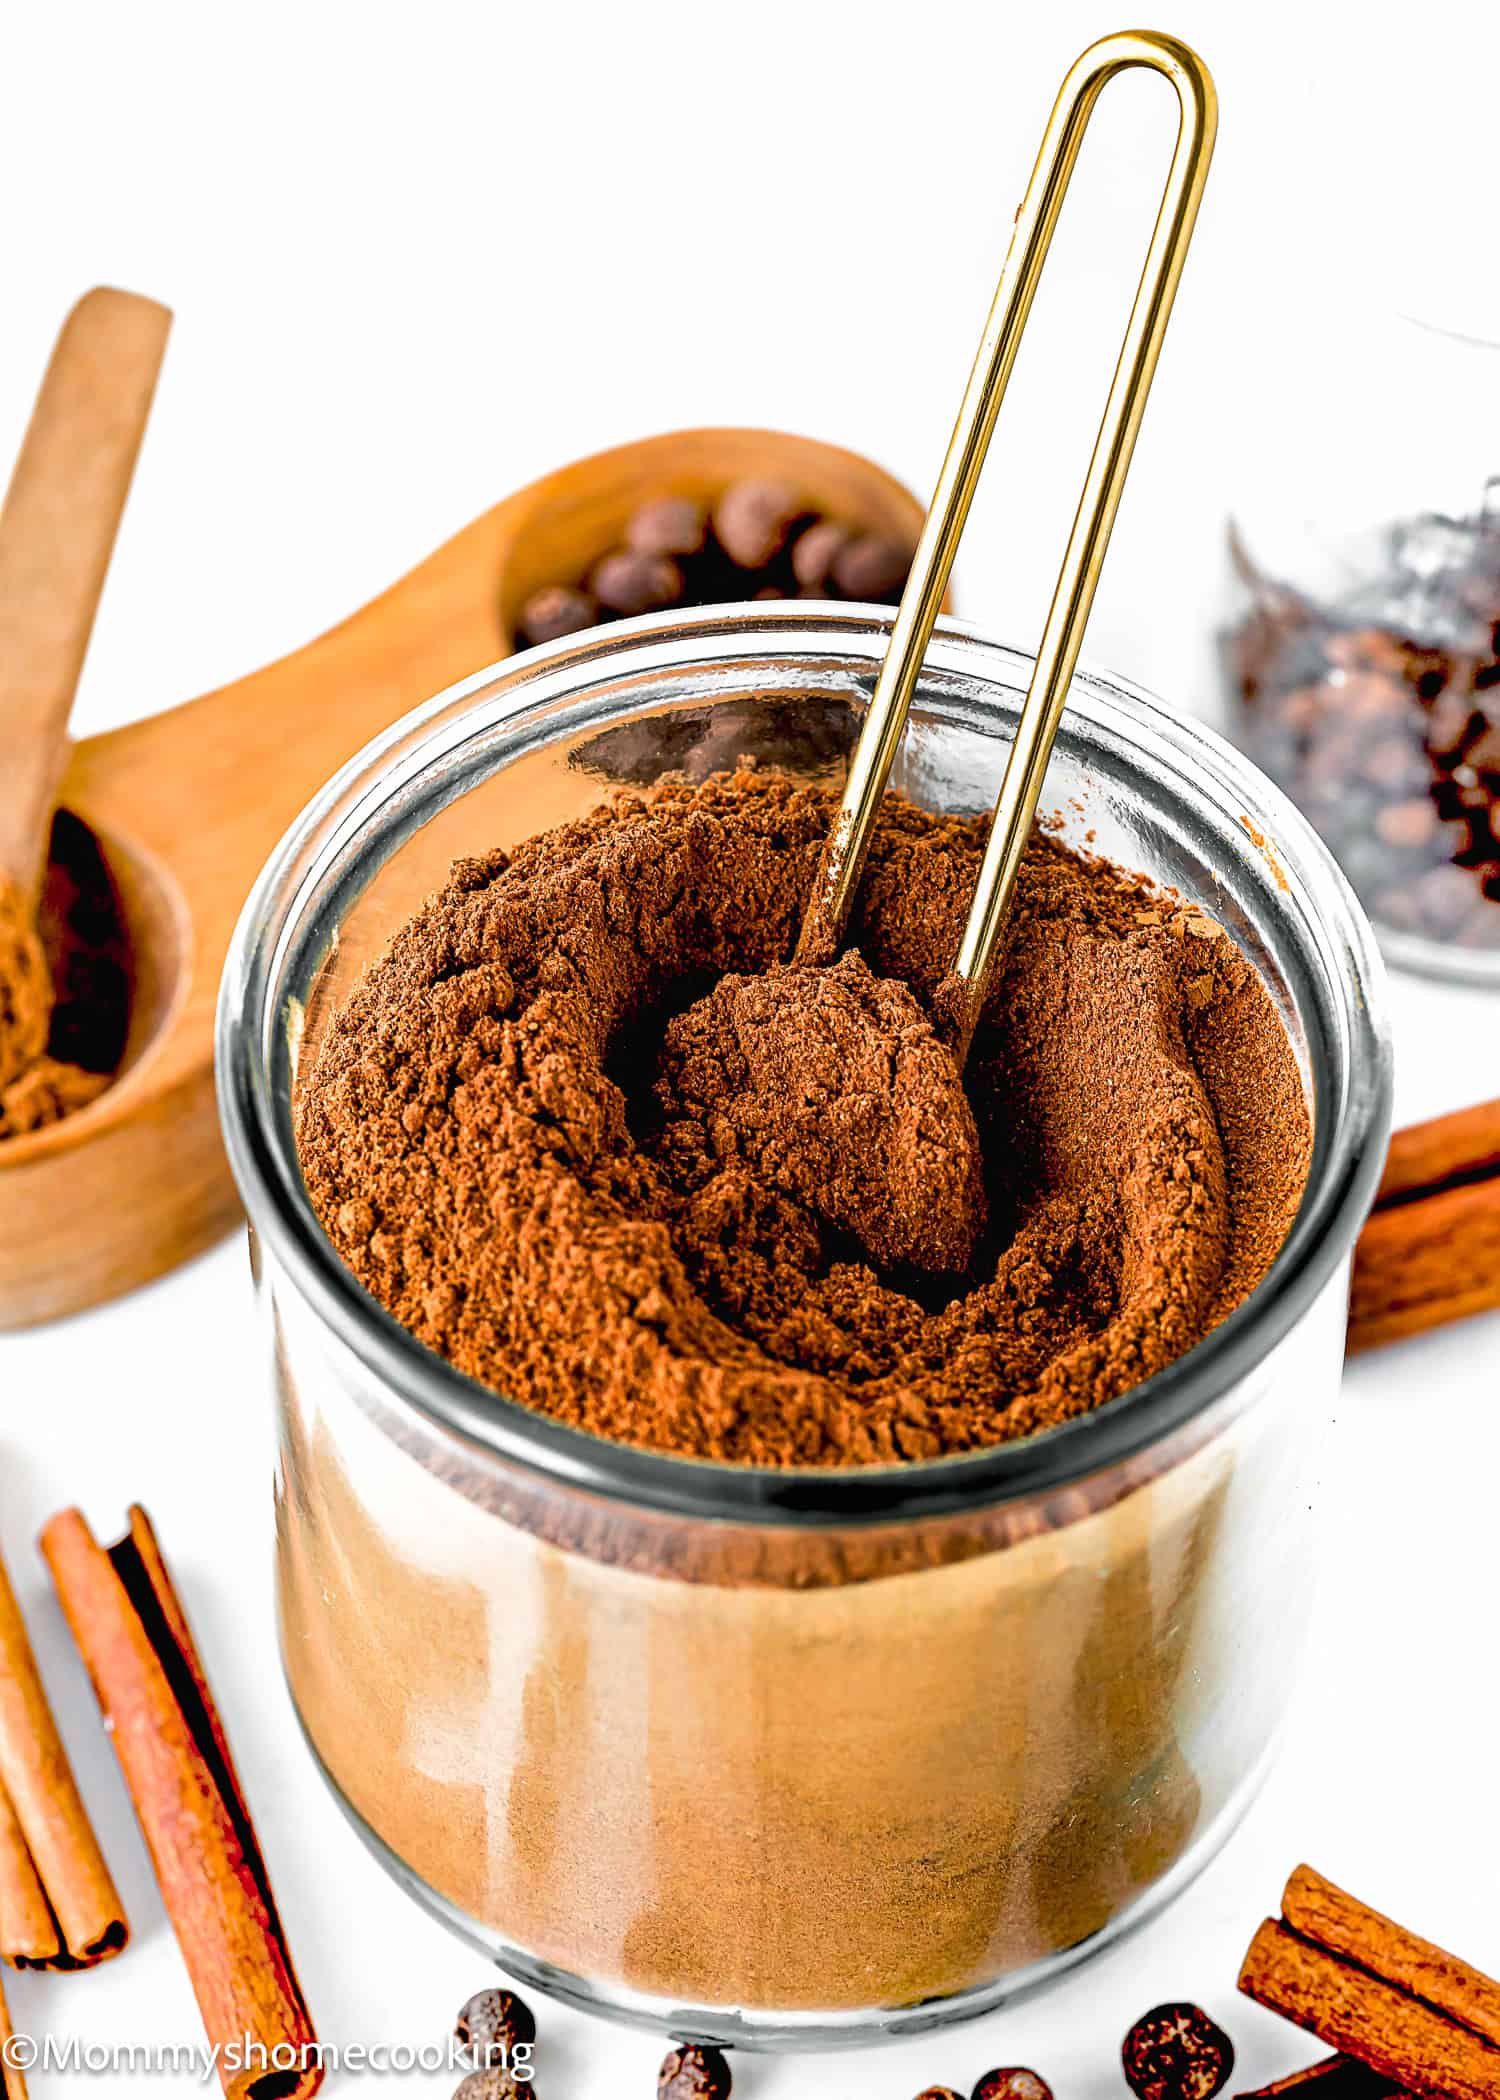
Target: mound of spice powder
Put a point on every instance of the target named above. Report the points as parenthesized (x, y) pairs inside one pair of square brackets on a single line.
[(584, 1132), (25, 986), (64, 985)]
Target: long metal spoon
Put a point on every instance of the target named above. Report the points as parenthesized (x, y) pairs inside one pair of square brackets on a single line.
[(869, 771)]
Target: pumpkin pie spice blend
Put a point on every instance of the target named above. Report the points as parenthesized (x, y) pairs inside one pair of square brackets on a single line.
[(586, 1133)]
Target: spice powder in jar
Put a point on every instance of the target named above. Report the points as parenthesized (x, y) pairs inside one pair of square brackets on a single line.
[(585, 1133)]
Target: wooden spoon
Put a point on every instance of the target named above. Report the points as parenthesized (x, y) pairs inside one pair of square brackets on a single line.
[(57, 532), (188, 804)]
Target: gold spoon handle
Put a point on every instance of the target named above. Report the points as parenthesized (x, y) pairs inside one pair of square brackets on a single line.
[(870, 766)]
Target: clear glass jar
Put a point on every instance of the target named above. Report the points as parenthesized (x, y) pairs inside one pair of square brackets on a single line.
[(790, 1758), (1363, 656)]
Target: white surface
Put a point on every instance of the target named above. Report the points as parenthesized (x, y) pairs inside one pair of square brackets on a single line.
[(414, 266)]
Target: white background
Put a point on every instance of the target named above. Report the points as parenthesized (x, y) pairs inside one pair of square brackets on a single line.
[(419, 256)]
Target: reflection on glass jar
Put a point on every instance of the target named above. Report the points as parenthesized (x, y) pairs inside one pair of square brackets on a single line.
[(780, 1756)]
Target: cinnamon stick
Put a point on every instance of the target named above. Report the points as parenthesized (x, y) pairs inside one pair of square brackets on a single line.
[(1425, 1157), (29, 1938), (12, 2080), (1314, 1907), (1421, 1265), (48, 1845), (1430, 1250), (135, 1639), (1372, 1990), (1357, 2012)]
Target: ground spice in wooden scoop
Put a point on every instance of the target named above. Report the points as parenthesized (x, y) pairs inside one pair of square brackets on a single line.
[(36, 1088), (652, 1219), (64, 986), (25, 986), (57, 531)]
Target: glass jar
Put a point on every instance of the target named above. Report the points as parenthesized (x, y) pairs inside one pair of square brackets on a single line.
[(1363, 656), (789, 1758)]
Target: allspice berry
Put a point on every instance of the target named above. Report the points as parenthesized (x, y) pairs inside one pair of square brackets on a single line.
[(630, 582), (1012, 2083), (814, 553), (753, 518), (872, 568), (554, 611), (494, 2085), (693, 2073), (669, 525), (491, 2025), (1176, 2052)]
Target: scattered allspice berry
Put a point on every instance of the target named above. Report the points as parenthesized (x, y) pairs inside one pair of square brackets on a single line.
[(1176, 2052), (1013, 2082), (555, 610), (491, 2025), (753, 519), (693, 2073)]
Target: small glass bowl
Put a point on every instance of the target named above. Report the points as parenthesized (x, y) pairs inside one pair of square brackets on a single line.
[(790, 1758), (1362, 660)]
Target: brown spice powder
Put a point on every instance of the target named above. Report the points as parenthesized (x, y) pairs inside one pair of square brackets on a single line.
[(64, 985), (584, 1133), (25, 986)]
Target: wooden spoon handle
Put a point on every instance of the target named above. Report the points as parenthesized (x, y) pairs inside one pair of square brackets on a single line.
[(57, 531)]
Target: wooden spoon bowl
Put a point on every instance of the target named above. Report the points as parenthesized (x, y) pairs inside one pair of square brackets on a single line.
[(188, 804)]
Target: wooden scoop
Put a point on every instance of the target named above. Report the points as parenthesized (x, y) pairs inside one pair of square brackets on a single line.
[(189, 803), (57, 532)]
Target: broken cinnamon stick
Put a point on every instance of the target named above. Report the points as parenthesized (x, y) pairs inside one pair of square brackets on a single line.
[(47, 1844), (133, 1634), (12, 2079), (1374, 1991)]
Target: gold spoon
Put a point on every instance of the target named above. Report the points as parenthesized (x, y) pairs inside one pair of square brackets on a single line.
[(870, 767)]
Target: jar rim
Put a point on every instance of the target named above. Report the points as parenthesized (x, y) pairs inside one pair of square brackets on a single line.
[(1347, 1157)]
